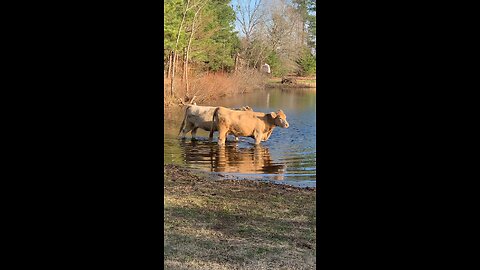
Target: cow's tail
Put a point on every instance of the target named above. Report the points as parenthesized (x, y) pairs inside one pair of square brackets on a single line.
[(182, 126), (212, 128)]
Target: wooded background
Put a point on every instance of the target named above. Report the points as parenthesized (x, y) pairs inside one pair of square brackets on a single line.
[(204, 36)]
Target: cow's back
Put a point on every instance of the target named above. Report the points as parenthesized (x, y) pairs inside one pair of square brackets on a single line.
[(200, 116), (204, 112)]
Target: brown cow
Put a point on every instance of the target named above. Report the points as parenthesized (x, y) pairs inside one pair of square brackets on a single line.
[(246, 123)]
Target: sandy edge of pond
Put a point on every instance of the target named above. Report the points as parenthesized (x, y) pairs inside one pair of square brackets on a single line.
[(211, 223)]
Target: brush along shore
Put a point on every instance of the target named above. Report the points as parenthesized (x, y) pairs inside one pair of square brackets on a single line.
[(236, 224)]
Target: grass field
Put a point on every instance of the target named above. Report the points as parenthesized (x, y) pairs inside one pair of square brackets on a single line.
[(236, 224)]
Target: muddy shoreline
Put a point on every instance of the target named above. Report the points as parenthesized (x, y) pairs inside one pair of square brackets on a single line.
[(199, 175)]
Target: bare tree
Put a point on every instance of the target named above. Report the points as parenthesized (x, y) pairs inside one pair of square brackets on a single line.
[(175, 49), (283, 32), (175, 55), (192, 33), (250, 15)]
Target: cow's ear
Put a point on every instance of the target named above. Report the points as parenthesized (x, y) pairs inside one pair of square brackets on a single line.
[(274, 115)]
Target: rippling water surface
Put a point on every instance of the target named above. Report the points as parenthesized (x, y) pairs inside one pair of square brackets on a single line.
[(289, 156)]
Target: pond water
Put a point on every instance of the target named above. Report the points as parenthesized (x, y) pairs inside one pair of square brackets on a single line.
[(288, 157)]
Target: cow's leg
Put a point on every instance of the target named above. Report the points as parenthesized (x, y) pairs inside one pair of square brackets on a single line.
[(258, 136), (222, 136), (210, 136), (194, 133), (182, 131), (188, 127), (267, 135)]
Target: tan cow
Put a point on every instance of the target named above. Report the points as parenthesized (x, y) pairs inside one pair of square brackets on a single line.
[(201, 117), (246, 123)]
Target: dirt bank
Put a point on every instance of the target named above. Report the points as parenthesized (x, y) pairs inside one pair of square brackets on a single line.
[(236, 224)]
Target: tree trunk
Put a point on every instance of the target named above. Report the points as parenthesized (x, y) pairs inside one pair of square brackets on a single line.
[(173, 74), (169, 73), (175, 50), (236, 62), (304, 32), (189, 46), (184, 64), (186, 73)]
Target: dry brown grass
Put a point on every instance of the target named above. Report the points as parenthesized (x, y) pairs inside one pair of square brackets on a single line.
[(209, 87), (228, 224)]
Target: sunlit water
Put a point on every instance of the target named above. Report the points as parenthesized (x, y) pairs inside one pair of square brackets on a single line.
[(288, 157)]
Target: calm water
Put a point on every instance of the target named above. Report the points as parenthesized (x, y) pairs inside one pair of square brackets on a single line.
[(288, 157)]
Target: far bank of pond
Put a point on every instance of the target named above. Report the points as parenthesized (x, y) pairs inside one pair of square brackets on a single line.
[(292, 82)]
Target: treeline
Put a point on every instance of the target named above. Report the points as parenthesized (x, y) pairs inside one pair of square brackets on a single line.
[(200, 36)]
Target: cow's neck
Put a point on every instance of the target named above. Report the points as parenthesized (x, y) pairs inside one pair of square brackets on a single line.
[(268, 129), (269, 124)]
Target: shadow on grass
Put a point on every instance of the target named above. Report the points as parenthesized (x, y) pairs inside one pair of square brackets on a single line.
[(189, 248), (250, 227)]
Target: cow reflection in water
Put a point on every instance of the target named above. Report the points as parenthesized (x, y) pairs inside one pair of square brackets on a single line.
[(231, 158)]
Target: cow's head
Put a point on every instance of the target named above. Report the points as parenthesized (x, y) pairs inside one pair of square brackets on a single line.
[(279, 118)]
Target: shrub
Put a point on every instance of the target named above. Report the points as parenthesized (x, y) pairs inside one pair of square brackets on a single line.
[(277, 67), (307, 64), (209, 87)]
